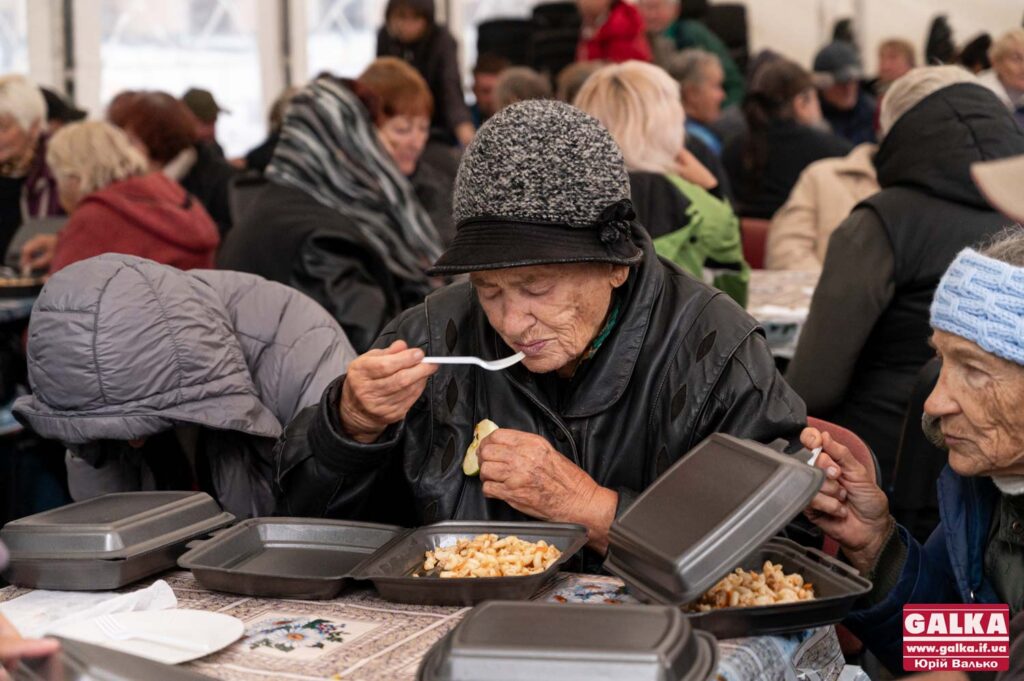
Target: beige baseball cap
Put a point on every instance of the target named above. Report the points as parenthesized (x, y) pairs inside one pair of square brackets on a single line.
[(1002, 183)]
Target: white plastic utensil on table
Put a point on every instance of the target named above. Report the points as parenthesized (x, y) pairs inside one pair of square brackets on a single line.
[(115, 630), (493, 365), (187, 634)]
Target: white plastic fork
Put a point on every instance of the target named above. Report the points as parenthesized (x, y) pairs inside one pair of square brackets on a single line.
[(815, 453), (493, 365), (111, 628)]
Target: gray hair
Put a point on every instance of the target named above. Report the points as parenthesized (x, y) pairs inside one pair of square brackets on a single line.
[(909, 90), (688, 67), (97, 153), (519, 84), (1006, 246), (21, 100), (1006, 43)]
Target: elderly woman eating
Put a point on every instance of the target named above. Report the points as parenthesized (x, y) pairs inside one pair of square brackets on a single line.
[(976, 555), (628, 362)]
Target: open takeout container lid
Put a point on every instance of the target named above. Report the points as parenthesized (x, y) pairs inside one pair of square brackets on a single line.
[(705, 515), (523, 641), (113, 526)]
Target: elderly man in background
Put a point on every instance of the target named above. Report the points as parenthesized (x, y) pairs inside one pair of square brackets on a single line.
[(205, 110), (701, 79), (669, 32), (628, 362), (27, 187), (846, 106)]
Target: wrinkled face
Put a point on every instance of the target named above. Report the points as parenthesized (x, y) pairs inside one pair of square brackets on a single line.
[(592, 10), (978, 402), (658, 14), (549, 312), (406, 25), (405, 137), (703, 101), (842, 96), (483, 90), (892, 64), (15, 141), (1010, 68)]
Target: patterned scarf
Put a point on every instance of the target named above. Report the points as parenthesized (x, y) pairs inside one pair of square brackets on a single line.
[(329, 149)]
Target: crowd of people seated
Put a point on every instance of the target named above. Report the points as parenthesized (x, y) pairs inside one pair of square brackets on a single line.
[(255, 327)]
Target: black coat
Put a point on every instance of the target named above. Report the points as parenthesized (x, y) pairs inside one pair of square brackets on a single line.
[(683, 361), (285, 235), (436, 57), (209, 180)]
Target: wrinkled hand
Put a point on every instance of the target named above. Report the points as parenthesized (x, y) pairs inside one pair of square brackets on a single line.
[(380, 388), (692, 170), (37, 253), (13, 647), (526, 472), (854, 512)]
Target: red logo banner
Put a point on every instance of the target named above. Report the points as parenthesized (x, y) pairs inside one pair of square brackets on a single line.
[(956, 637)]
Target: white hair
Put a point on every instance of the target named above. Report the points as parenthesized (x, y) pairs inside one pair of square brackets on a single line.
[(97, 153), (641, 106), (1005, 44), (22, 101), (904, 94)]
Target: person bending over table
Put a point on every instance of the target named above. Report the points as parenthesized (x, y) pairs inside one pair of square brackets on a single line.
[(629, 362), (976, 555)]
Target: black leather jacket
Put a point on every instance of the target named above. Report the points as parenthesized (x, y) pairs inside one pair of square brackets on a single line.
[(684, 361)]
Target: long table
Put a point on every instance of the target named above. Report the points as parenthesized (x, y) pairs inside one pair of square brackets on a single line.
[(359, 637), (780, 301)]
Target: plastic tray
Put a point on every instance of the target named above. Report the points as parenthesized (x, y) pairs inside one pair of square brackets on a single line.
[(527, 641), (286, 557), (392, 568), (705, 515), (836, 585), (109, 541)]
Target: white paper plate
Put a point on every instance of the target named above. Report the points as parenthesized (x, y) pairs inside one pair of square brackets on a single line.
[(209, 629)]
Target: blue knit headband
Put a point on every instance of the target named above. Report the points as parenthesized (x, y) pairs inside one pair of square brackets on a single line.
[(982, 300)]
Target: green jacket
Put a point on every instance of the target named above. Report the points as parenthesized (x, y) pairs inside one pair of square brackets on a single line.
[(687, 33), (709, 242)]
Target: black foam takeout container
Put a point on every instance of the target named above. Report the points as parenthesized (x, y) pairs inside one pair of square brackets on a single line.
[(502, 641), (108, 541), (315, 559), (715, 510), (306, 558)]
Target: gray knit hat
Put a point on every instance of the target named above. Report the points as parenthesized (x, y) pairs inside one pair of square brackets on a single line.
[(541, 183)]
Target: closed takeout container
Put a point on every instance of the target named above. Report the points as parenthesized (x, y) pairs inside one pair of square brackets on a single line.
[(391, 570), (502, 641), (108, 541), (715, 510), (307, 558)]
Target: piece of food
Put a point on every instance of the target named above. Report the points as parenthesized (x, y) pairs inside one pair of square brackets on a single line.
[(488, 556), (470, 463), (742, 588)]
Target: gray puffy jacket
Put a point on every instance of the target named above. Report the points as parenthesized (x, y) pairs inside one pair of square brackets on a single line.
[(121, 348)]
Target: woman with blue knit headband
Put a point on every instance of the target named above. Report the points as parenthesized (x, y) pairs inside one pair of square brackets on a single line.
[(976, 555)]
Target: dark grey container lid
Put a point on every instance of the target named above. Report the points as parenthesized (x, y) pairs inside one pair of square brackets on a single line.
[(525, 641), (705, 514), (113, 526)]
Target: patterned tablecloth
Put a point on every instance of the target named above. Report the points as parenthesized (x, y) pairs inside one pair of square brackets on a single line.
[(359, 637), (780, 301)]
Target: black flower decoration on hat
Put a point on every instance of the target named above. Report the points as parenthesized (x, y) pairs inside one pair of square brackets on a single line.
[(614, 223)]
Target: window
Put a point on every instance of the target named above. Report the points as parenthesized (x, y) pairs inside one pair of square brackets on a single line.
[(13, 36), (342, 35), (173, 46)]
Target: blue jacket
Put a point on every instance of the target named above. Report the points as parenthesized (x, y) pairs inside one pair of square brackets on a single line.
[(949, 568)]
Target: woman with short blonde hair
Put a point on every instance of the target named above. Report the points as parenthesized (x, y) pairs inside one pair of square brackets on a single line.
[(641, 106), (86, 157), (117, 205)]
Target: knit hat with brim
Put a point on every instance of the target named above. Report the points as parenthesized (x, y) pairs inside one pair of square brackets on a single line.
[(542, 183)]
